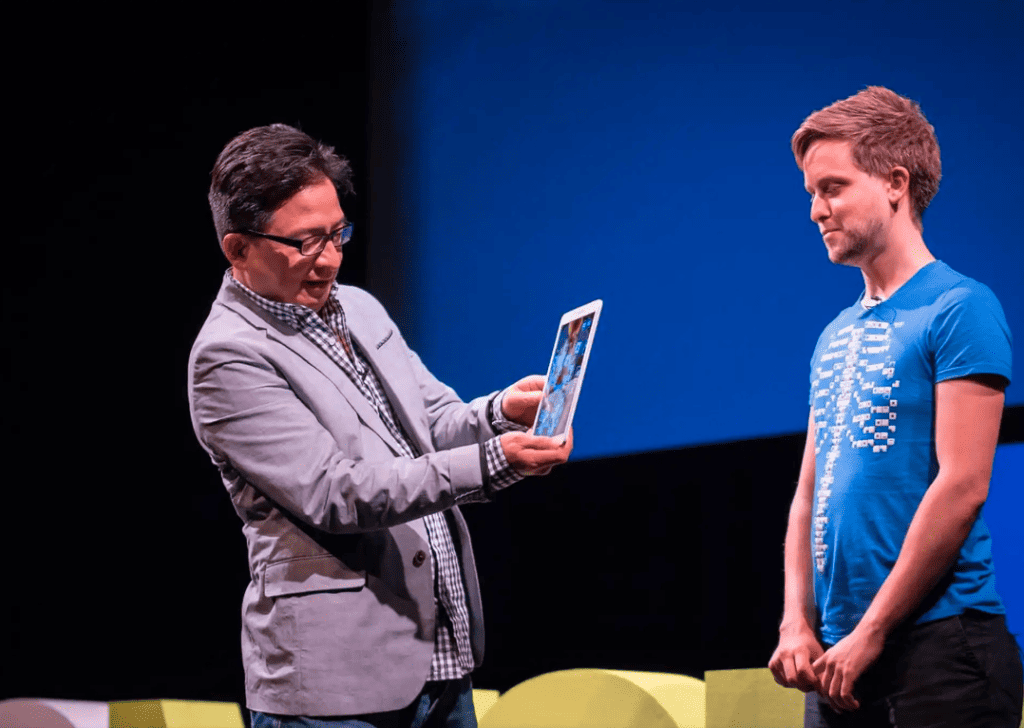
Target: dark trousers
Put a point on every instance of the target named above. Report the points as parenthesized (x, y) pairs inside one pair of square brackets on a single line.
[(444, 704), (959, 672)]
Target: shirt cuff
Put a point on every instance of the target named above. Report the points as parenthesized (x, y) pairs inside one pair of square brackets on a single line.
[(499, 423), (498, 474)]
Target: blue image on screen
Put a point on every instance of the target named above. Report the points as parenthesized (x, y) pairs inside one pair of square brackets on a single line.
[(563, 377)]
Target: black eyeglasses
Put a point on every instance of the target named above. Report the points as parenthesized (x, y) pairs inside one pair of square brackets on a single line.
[(314, 244)]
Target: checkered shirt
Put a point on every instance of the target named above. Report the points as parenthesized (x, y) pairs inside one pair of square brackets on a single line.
[(453, 655)]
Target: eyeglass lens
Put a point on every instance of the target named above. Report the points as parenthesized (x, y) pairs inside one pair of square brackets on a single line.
[(316, 243)]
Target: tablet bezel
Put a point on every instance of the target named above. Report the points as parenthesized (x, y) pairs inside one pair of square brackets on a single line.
[(594, 307)]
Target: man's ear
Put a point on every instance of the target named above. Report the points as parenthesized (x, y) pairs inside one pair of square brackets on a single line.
[(235, 247), (899, 186)]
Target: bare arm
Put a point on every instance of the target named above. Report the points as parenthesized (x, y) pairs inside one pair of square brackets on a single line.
[(967, 414), (798, 645)]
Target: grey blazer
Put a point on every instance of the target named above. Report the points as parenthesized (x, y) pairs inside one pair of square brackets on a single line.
[(339, 615)]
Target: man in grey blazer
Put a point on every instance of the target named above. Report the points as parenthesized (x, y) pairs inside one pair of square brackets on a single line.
[(345, 459)]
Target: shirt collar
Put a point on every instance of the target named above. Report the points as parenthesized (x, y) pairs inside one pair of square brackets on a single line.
[(293, 314)]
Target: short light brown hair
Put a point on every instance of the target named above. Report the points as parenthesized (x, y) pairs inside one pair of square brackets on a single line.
[(887, 130)]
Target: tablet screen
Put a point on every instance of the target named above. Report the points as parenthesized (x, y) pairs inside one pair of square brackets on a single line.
[(565, 372)]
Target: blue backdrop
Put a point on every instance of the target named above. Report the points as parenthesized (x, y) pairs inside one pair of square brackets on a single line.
[(638, 152), (1002, 513)]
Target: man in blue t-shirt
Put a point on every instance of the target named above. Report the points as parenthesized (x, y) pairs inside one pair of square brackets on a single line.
[(891, 614)]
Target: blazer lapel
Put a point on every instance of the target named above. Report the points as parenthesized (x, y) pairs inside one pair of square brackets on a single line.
[(395, 377), (311, 354)]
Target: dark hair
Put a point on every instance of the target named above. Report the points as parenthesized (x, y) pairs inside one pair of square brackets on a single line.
[(262, 168), (887, 130)]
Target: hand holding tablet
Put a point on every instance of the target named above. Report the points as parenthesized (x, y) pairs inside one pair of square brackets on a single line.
[(522, 399), (532, 455)]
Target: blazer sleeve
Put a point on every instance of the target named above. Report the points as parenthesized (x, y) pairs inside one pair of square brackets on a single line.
[(255, 425)]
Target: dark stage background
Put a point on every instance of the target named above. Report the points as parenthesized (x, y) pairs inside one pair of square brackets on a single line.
[(126, 562)]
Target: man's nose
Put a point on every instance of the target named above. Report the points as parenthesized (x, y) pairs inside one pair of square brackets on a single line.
[(819, 209), (330, 257)]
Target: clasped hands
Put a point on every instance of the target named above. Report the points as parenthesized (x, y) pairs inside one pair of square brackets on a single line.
[(801, 662), (527, 453)]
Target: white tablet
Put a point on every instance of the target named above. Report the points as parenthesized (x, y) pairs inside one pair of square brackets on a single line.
[(566, 369)]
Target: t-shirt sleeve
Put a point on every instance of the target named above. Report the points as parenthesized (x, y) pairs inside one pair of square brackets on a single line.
[(970, 335)]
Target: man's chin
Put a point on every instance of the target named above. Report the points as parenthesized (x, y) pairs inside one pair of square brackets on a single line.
[(845, 254), (314, 297)]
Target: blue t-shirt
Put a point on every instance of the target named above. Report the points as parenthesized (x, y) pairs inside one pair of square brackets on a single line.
[(873, 379)]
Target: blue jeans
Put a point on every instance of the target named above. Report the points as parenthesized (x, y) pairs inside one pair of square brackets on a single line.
[(962, 671), (443, 704)]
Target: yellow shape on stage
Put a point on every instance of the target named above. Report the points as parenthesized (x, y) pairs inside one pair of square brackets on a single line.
[(751, 698), (174, 714), (592, 698), (483, 700)]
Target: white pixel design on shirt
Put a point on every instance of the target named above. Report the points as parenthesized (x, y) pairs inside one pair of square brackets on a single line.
[(855, 369)]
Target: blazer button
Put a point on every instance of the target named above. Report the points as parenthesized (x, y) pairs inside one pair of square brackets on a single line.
[(418, 559)]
